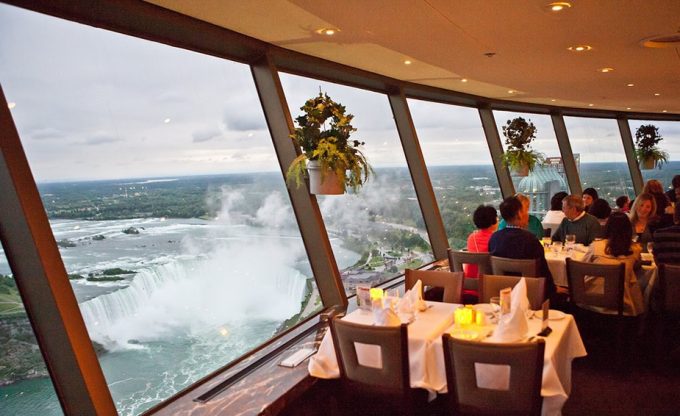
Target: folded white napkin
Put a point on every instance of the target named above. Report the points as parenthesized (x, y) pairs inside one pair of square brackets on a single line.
[(514, 326), (412, 300), (385, 317)]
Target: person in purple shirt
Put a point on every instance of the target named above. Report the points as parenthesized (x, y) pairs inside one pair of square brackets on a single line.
[(515, 242)]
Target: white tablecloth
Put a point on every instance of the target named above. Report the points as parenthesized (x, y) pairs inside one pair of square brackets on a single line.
[(561, 347), (427, 328), (557, 263), (426, 354)]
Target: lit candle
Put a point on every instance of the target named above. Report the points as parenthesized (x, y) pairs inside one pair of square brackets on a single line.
[(464, 316), (376, 293)]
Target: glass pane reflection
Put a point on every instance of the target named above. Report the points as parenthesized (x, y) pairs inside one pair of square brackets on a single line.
[(379, 231)]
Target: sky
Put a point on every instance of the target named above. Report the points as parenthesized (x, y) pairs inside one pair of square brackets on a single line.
[(93, 104)]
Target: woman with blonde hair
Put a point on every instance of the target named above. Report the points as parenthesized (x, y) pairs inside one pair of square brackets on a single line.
[(642, 216), (655, 188)]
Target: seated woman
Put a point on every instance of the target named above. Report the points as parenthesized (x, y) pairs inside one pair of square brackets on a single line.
[(554, 217), (486, 221), (618, 247), (534, 227), (642, 218), (663, 216), (601, 210), (590, 195)]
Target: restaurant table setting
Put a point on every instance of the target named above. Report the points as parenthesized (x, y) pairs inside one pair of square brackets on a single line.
[(484, 323), (556, 255)]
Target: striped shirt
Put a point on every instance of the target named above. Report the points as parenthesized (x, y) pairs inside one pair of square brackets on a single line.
[(667, 245)]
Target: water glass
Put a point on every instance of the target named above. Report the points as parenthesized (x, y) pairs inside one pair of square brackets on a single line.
[(496, 303), (570, 242), (650, 247), (556, 247)]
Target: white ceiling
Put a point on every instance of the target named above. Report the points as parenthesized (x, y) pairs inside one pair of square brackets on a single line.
[(447, 40)]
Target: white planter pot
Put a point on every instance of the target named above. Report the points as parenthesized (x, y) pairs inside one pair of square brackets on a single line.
[(331, 184)]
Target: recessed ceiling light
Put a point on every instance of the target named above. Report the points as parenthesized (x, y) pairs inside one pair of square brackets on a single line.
[(553, 100), (328, 31), (606, 69), (664, 111), (656, 94), (627, 108), (463, 80), (630, 85), (407, 62), (511, 91), (11, 105), (558, 6), (590, 105), (580, 48)]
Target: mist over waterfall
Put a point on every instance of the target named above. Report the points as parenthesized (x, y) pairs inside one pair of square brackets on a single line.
[(230, 274)]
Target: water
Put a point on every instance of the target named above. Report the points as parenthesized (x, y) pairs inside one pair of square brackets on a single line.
[(204, 293)]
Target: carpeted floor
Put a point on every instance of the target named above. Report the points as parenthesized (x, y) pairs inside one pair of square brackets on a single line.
[(640, 378)]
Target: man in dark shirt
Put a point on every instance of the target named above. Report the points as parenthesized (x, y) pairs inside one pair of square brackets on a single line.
[(673, 192), (667, 242), (515, 242)]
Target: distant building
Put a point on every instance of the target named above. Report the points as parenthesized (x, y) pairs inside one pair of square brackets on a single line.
[(542, 183)]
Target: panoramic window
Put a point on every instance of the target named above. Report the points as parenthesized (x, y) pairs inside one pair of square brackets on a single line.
[(378, 231), (600, 158), (164, 194), (548, 176), (25, 385), (459, 164), (670, 132)]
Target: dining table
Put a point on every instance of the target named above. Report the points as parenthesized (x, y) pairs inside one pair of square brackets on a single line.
[(426, 353), (557, 261)]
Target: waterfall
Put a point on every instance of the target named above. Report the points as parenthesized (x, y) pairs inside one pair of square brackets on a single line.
[(232, 284)]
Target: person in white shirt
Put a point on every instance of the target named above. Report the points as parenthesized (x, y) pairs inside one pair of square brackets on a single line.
[(554, 217)]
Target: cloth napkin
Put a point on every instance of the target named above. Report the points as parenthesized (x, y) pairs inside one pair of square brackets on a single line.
[(385, 316), (413, 299), (514, 326)]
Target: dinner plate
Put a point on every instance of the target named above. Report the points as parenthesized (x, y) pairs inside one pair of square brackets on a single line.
[(553, 315)]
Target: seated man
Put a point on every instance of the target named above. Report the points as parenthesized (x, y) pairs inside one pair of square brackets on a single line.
[(515, 242), (534, 225), (667, 242), (578, 222)]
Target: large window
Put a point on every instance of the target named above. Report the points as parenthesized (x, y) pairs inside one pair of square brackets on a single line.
[(165, 196), (599, 154), (547, 178), (670, 131), (379, 231), (458, 162), (25, 385)]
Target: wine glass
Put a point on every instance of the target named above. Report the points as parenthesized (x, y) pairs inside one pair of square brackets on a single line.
[(569, 242), (650, 247), (556, 247)]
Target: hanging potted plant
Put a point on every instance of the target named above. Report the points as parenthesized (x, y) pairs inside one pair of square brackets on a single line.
[(519, 157), (647, 153), (329, 157)]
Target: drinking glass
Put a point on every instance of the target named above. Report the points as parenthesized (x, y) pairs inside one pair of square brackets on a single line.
[(556, 247), (650, 247), (496, 303), (570, 241)]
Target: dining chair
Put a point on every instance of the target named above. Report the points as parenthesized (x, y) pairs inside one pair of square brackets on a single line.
[(450, 282), (669, 289), (668, 332), (521, 396), (515, 267), (388, 384), (609, 296), (490, 285), (458, 258)]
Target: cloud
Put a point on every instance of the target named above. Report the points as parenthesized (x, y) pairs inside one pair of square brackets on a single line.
[(245, 121), (205, 135), (46, 134), (102, 139)]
